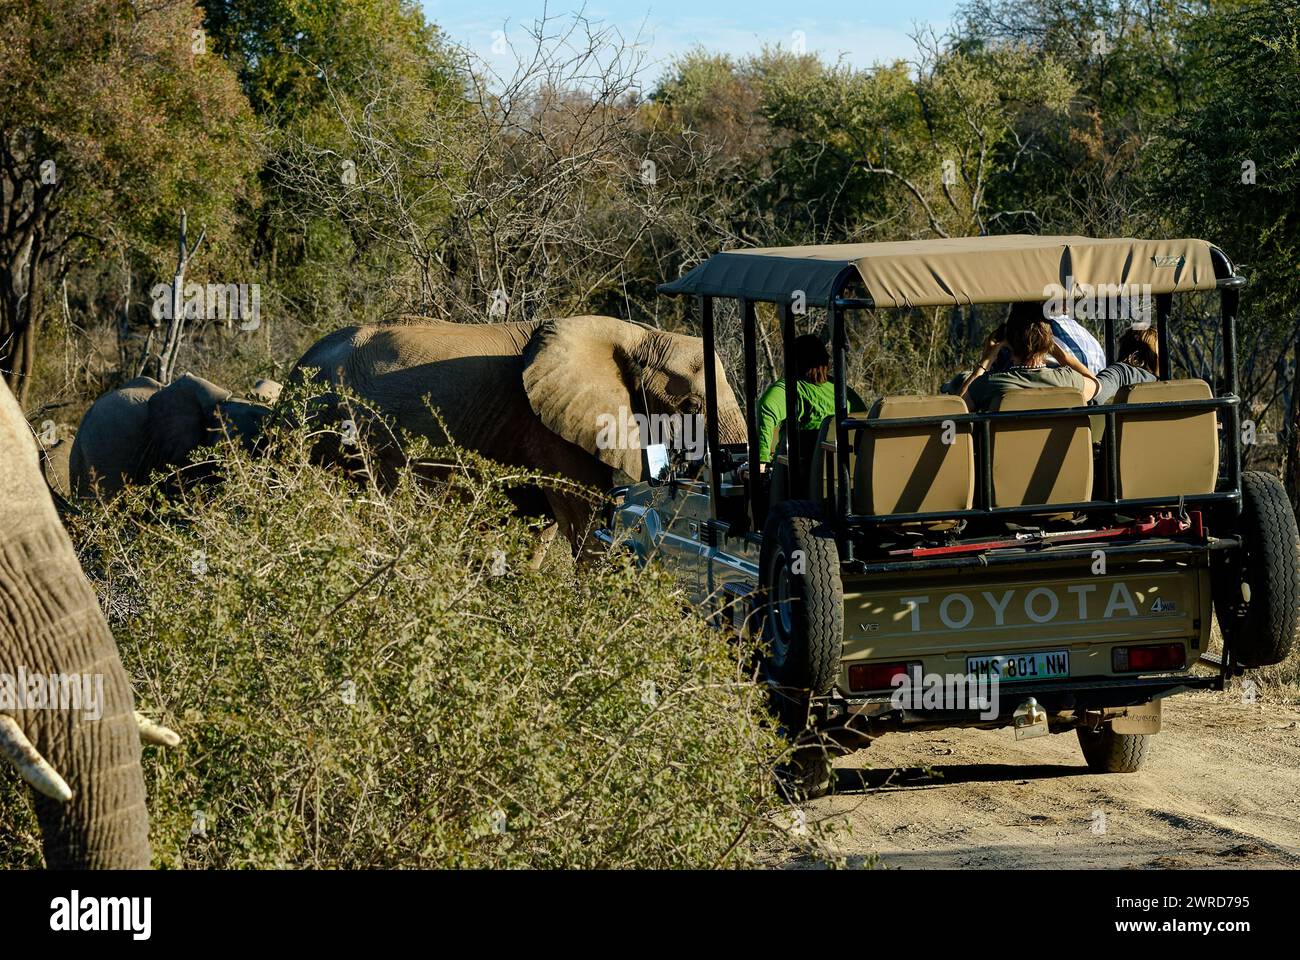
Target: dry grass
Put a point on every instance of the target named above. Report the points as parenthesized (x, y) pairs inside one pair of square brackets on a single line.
[(367, 679)]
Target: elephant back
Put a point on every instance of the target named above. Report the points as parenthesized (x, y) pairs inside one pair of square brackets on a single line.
[(327, 357)]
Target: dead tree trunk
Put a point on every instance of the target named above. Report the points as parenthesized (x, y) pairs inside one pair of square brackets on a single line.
[(27, 192), (171, 344)]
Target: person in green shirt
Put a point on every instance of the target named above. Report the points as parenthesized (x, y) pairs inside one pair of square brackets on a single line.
[(1028, 333), (816, 392)]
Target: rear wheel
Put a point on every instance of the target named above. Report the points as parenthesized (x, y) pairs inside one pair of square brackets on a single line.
[(1260, 622), (803, 620), (807, 775), (1109, 752)]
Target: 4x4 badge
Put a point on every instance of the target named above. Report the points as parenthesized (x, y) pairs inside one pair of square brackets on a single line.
[(1161, 605)]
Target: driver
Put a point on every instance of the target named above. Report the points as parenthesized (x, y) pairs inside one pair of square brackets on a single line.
[(816, 398)]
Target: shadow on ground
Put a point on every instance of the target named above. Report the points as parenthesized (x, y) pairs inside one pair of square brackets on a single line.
[(863, 780)]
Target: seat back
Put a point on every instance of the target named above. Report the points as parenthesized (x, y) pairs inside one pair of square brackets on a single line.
[(780, 478), (1043, 461), (1167, 454), (822, 475), (821, 471), (912, 469), (783, 485), (807, 440)]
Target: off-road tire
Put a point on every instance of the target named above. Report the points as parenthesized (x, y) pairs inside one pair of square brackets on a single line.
[(1109, 752), (806, 776), (803, 618), (1261, 632)]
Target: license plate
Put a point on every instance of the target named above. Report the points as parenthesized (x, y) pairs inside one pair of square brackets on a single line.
[(1011, 667)]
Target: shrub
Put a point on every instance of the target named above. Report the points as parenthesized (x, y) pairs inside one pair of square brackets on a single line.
[(368, 679)]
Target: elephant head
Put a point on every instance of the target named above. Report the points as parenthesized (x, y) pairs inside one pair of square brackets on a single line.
[(583, 374), (144, 426), (67, 722)]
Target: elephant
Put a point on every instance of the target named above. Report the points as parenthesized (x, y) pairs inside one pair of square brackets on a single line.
[(537, 394), (143, 426), (81, 754)]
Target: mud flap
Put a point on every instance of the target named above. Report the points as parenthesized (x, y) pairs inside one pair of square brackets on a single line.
[(1141, 719)]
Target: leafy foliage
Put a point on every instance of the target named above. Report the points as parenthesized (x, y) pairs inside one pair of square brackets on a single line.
[(371, 680), (114, 118)]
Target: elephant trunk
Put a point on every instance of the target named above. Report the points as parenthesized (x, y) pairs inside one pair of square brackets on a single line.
[(75, 704), (731, 425)]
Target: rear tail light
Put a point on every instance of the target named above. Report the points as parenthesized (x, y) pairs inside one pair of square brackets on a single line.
[(876, 676), (1155, 656)]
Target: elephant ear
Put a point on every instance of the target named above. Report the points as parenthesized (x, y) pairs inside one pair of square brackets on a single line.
[(241, 420), (578, 377), (180, 418)]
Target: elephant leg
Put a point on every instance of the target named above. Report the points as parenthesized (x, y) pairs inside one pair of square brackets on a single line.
[(360, 445), (575, 517), (544, 541)]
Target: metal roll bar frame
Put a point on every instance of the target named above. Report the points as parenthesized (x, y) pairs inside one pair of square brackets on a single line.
[(1226, 404)]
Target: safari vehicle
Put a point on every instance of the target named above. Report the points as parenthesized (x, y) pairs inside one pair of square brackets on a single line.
[(1068, 556)]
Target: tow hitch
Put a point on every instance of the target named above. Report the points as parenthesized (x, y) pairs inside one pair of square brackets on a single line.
[(1030, 720)]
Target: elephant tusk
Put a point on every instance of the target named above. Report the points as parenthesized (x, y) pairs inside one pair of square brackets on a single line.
[(267, 391), (29, 762), (151, 732)]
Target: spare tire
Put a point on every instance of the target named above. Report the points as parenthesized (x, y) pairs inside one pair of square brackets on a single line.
[(1260, 625), (803, 615)]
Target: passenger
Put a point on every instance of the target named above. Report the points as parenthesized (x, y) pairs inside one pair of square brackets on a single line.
[(1028, 336), (1066, 332), (1069, 334), (1140, 350), (1078, 342), (816, 393)]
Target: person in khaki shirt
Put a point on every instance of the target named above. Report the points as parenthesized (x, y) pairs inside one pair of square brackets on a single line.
[(1028, 335)]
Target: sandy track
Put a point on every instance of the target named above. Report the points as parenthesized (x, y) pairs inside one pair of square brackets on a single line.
[(1222, 789)]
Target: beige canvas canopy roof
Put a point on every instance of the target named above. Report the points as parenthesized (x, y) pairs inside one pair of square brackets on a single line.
[(960, 270)]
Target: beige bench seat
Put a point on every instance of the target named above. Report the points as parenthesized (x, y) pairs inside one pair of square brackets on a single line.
[(916, 469), (1041, 461), (1167, 454)]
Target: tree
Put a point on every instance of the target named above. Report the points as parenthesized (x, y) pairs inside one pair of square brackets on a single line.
[(113, 114), (1229, 170), (498, 202), (317, 73), (910, 150), (1134, 64)]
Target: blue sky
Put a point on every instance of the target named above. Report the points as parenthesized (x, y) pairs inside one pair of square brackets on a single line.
[(866, 31)]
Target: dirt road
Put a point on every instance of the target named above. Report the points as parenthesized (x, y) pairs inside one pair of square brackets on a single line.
[(1222, 789)]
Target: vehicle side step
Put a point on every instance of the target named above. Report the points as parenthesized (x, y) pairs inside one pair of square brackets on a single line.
[(1213, 659)]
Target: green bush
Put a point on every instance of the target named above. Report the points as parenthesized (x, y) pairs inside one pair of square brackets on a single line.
[(367, 679)]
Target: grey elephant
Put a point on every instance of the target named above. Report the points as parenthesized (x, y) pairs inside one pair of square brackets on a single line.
[(548, 395), (144, 426), (78, 745)]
